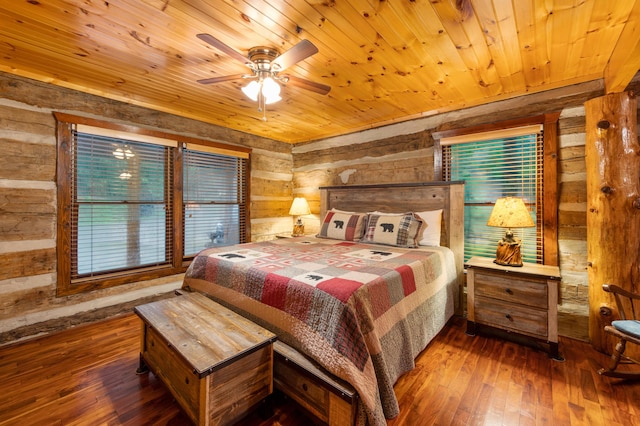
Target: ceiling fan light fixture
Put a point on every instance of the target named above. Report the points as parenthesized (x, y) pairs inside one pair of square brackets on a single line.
[(251, 90), (272, 100), (269, 87)]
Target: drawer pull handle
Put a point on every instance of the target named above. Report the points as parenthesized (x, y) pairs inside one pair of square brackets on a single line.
[(305, 387), (508, 316), (509, 291)]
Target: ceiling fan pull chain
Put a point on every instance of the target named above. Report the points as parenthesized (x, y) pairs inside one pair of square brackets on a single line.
[(261, 103)]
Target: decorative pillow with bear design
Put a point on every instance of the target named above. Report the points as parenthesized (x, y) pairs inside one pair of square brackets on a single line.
[(340, 225), (400, 230)]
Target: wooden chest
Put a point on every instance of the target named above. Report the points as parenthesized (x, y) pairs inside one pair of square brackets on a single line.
[(216, 363)]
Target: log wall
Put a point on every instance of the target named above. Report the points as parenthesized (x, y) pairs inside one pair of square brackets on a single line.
[(404, 153), (28, 302)]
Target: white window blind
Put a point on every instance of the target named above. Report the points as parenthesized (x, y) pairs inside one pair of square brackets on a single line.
[(509, 163), (214, 199), (121, 205)]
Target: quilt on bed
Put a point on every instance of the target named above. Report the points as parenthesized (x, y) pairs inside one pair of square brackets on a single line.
[(362, 311)]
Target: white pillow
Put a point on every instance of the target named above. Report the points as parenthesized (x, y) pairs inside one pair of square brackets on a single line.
[(431, 234)]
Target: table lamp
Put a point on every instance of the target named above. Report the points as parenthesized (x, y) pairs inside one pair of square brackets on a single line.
[(299, 207), (510, 212)]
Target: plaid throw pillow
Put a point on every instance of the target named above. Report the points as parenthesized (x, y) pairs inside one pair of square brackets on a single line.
[(400, 230), (339, 225)]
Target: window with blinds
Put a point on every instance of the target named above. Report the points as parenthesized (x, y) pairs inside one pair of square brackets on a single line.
[(137, 204), (214, 200), (122, 204), (495, 165)]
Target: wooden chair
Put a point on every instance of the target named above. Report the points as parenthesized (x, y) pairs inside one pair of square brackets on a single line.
[(626, 329)]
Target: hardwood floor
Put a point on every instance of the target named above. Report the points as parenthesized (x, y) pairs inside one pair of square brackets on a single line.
[(86, 375)]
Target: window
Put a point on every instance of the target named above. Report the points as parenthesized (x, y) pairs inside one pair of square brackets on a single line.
[(121, 204), (507, 166), (136, 204), (514, 159), (213, 204)]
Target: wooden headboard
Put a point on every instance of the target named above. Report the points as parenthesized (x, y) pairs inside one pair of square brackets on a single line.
[(408, 197)]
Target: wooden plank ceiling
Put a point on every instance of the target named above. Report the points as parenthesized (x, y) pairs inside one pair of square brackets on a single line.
[(385, 60)]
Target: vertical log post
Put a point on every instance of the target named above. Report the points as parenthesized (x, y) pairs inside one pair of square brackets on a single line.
[(613, 206)]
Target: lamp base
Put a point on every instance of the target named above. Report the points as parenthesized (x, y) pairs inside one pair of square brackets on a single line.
[(497, 262), (298, 230), (508, 253)]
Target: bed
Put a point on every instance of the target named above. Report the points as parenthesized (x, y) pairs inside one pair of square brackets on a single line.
[(360, 311)]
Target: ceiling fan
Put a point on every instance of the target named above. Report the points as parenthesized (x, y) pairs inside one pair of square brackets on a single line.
[(266, 64)]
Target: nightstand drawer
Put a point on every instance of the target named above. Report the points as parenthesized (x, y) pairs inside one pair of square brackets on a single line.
[(504, 287), (507, 316)]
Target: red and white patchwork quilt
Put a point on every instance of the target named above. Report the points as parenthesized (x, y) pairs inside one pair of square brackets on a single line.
[(362, 311)]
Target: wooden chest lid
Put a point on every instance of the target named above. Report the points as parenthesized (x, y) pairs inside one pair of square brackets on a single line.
[(204, 333)]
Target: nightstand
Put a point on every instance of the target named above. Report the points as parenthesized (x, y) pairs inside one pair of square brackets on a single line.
[(521, 300)]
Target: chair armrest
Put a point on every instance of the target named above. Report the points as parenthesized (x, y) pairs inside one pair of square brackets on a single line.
[(612, 288)]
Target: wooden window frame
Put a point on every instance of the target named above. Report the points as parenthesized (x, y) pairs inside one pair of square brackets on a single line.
[(549, 122), (65, 126)]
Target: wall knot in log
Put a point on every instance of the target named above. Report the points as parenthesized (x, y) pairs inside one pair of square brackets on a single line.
[(607, 190), (605, 311), (603, 124)]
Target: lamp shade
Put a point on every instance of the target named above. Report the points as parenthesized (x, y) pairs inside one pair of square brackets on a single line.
[(510, 212), (299, 207), (251, 90), (269, 88)]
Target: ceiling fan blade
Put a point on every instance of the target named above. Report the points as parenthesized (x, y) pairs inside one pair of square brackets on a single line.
[(221, 79), (297, 53), (302, 83), (224, 48)]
